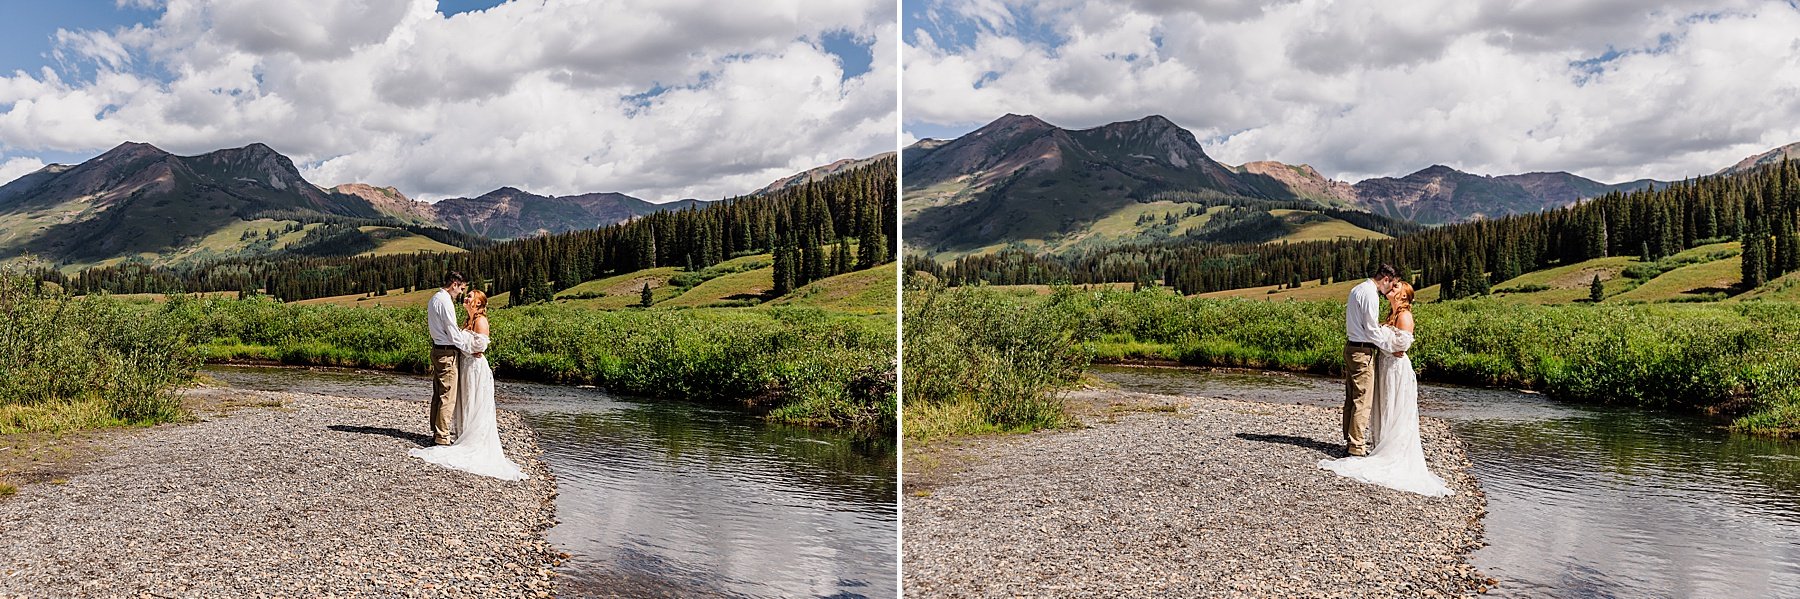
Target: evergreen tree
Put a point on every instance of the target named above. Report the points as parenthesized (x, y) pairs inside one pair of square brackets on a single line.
[(567, 275), (1596, 237), (1596, 290), (871, 250), (813, 259), (1475, 282), (645, 299), (784, 271), (646, 248), (840, 257), (1755, 268)]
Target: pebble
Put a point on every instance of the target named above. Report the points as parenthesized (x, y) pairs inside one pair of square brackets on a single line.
[(1220, 498), (316, 498)]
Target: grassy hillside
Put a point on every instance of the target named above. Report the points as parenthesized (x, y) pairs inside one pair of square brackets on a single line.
[(740, 282), (1698, 282), (1137, 222), (401, 241), (621, 291), (1784, 289), (1164, 222), (862, 292), (1024, 290), (396, 298), (1705, 273), (1566, 284), (1313, 226), (735, 289), (1309, 291), (238, 239)]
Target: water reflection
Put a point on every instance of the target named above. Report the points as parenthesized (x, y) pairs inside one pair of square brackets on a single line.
[(1587, 501), (665, 498)]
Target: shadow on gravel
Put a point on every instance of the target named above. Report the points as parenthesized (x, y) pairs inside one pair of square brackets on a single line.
[(421, 439), (1331, 449)]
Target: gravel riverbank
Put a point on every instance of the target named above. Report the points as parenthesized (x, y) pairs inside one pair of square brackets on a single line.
[(1183, 496), (299, 496)]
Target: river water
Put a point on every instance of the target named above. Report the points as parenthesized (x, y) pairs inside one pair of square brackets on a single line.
[(675, 499), (1588, 501)]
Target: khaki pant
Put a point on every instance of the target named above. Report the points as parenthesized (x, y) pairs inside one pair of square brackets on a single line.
[(1359, 395), (443, 393)]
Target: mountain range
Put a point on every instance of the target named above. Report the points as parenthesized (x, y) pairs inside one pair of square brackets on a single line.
[(1019, 179), (137, 201), (1790, 151), (510, 213), (819, 173)]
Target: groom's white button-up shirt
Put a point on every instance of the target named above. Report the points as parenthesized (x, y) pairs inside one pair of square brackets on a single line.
[(1360, 315), (443, 319)]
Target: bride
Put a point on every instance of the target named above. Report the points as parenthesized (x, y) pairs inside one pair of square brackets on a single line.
[(477, 447), (1397, 460)]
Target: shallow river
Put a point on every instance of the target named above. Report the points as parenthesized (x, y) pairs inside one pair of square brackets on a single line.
[(669, 498), (1587, 501)]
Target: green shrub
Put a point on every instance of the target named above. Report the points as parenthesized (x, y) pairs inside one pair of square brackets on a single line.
[(70, 363), (1002, 360), (804, 365), (1734, 359)]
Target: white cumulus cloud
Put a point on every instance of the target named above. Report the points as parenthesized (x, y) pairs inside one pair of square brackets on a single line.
[(662, 99), (1610, 89), (13, 168)]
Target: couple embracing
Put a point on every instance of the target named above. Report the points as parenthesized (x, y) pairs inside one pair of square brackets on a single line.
[(1382, 391), (462, 400)]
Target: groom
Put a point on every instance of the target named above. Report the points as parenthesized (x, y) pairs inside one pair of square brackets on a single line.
[(442, 319), (1361, 318)]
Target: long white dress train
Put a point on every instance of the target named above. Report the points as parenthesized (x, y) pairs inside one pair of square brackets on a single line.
[(477, 448), (1397, 460)]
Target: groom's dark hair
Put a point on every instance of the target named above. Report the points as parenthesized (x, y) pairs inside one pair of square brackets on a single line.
[(1386, 271), (453, 277)]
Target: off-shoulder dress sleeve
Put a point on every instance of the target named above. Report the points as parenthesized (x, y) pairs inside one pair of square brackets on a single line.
[(1392, 340), (471, 342)]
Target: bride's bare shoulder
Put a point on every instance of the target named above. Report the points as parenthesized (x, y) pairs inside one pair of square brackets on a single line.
[(479, 325), (1404, 321)]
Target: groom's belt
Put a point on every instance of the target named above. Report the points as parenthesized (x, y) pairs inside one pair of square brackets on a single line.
[(1363, 344), (437, 346)]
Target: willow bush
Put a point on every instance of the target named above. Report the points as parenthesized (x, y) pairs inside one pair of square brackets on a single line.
[(803, 365), (73, 363), (1736, 359)]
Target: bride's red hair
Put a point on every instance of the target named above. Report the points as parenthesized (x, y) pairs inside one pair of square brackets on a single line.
[(479, 300), (1401, 302)]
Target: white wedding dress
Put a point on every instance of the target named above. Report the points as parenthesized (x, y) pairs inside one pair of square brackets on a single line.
[(477, 448), (1398, 458)]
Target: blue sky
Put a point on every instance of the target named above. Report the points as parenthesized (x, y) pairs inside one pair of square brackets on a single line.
[(678, 100), (28, 30), (27, 27)]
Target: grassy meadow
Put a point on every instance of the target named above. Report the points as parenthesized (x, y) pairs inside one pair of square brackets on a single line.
[(1739, 359)]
